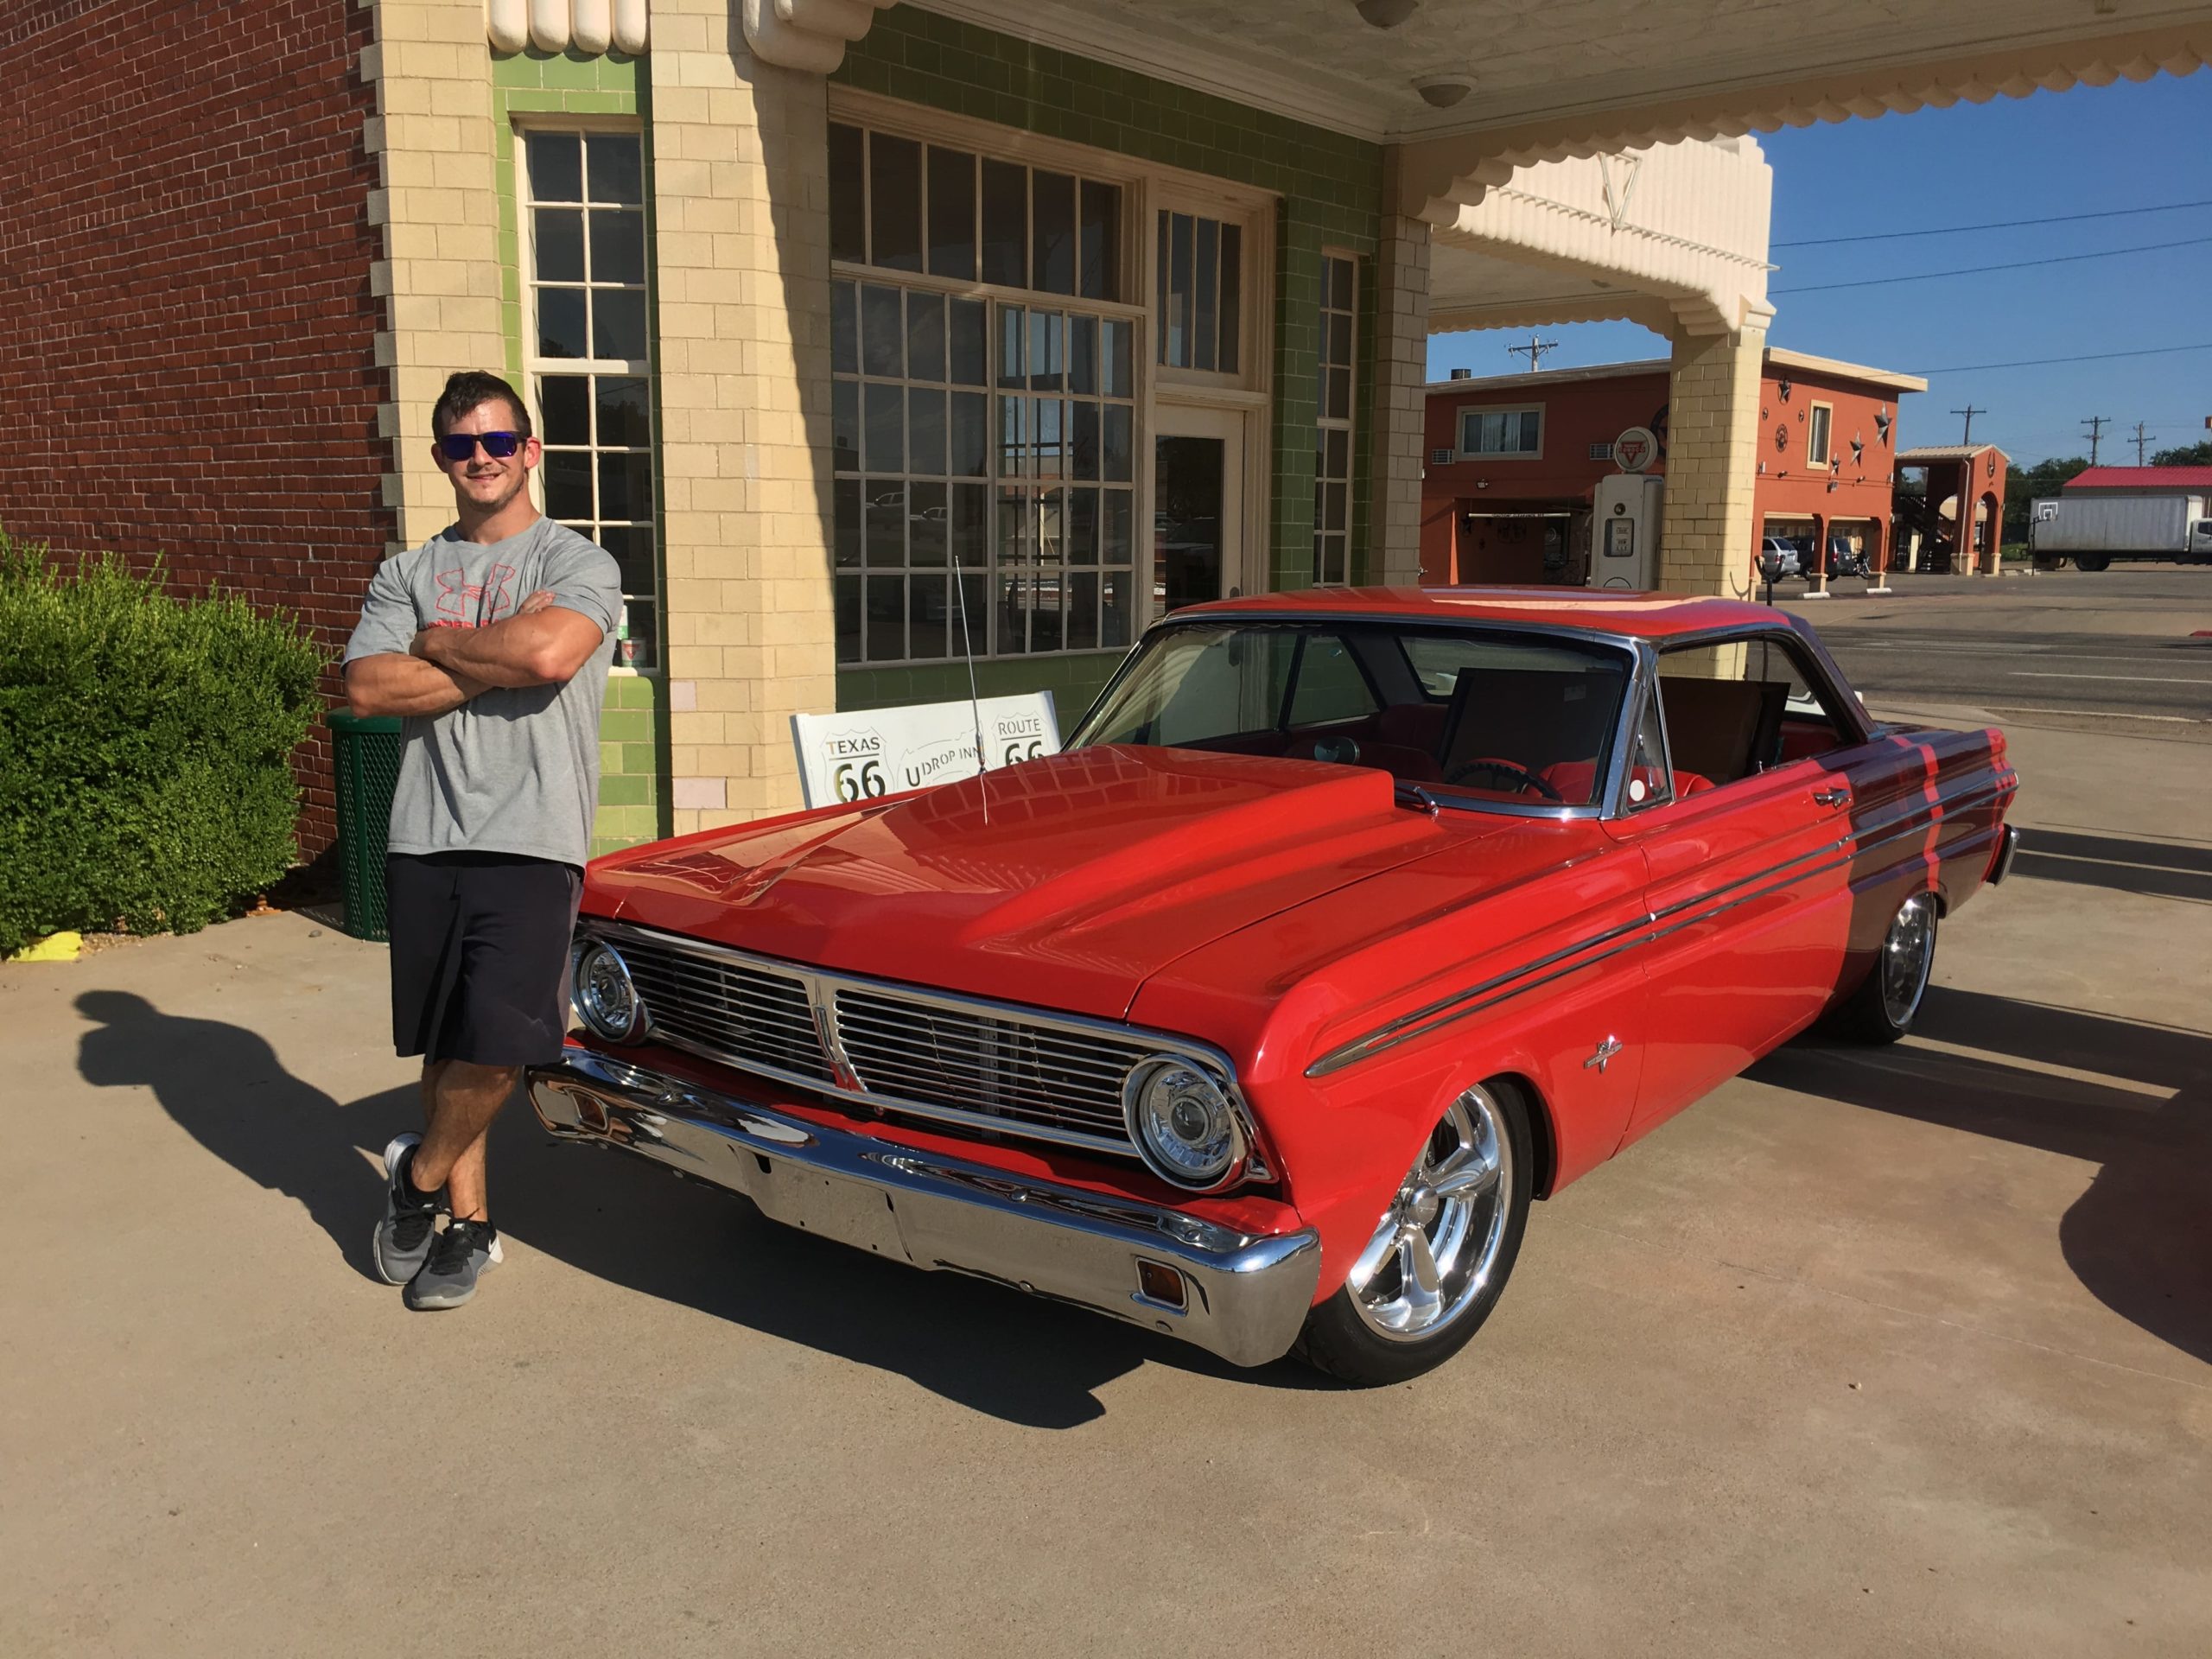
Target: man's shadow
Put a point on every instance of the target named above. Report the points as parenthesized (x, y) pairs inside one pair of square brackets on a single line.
[(1013, 1356), (2140, 1238)]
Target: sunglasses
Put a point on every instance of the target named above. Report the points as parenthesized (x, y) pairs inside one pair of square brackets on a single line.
[(459, 446)]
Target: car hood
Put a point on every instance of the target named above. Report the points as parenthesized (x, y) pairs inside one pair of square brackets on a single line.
[(1064, 882)]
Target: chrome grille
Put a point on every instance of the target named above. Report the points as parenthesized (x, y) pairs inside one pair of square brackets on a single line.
[(953, 1059), (749, 1016), (923, 1051)]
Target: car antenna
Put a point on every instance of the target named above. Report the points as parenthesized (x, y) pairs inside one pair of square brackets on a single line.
[(975, 702)]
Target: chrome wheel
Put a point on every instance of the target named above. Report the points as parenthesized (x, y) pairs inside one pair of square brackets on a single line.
[(1433, 1251), (1908, 956)]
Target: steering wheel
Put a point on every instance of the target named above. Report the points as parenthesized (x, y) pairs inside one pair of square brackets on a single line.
[(1528, 778)]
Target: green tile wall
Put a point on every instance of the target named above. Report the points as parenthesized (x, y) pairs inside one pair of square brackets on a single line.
[(633, 798), (633, 763), (1331, 186), (1073, 681)]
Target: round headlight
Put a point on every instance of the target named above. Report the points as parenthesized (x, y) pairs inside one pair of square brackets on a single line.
[(607, 1001), (1183, 1123)]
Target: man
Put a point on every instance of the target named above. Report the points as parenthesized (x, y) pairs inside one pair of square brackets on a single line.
[(493, 640)]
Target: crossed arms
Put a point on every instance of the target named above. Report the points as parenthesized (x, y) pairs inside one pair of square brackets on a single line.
[(543, 644)]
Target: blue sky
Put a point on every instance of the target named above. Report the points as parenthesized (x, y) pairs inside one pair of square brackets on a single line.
[(2088, 150)]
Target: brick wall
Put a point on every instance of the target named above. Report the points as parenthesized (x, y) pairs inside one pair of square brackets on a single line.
[(186, 324)]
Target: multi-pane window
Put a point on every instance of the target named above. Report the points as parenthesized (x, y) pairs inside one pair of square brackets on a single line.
[(586, 350), (1333, 435), (984, 496), (1816, 434), (1199, 282), (1502, 432), (899, 204)]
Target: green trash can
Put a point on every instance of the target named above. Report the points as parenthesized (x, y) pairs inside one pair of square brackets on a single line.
[(366, 755)]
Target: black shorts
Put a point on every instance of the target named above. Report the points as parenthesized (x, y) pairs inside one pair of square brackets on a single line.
[(480, 955)]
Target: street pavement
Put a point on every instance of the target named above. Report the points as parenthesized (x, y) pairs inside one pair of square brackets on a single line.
[(2117, 646), (1906, 1352)]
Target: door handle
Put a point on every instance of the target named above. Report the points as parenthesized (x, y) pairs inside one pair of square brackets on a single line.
[(1832, 796)]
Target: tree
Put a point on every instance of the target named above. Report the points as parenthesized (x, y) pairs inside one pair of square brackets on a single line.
[(2195, 454)]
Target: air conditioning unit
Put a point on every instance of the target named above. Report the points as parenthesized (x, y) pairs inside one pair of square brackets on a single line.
[(1440, 457)]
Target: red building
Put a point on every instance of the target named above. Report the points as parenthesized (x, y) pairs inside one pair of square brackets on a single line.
[(1513, 460)]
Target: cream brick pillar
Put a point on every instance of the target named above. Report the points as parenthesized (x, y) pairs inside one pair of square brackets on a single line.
[(741, 197), (1706, 538), (439, 209), (1401, 405)]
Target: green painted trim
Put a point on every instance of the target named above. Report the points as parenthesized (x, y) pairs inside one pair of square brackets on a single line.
[(1074, 681), (1330, 188), (634, 803)]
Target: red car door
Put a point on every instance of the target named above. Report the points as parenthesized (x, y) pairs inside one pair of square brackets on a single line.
[(1749, 881)]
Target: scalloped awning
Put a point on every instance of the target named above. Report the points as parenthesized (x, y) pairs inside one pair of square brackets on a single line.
[(589, 27)]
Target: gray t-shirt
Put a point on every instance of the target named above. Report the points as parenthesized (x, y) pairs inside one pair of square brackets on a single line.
[(514, 770)]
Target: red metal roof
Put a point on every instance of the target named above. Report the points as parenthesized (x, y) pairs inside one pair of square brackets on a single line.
[(1640, 615), (2190, 480)]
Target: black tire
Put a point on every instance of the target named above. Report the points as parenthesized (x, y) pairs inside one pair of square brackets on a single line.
[(1339, 1339), (1882, 1010), (2091, 563)]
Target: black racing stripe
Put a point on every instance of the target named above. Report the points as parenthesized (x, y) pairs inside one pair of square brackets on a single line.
[(1646, 930)]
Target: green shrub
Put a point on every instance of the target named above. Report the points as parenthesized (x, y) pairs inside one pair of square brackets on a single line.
[(144, 739)]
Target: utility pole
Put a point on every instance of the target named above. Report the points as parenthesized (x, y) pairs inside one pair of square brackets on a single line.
[(1969, 411), (2096, 423), (1534, 351), (2140, 439)]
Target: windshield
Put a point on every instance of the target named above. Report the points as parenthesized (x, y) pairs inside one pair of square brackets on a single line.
[(1477, 717)]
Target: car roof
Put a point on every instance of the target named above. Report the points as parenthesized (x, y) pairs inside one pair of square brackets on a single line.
[(1636, 616)]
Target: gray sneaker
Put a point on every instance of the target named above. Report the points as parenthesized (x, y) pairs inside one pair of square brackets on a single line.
[(460, 1254), (402, 1238)]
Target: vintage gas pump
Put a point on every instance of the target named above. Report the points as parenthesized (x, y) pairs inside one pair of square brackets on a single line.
[(1624, 531)]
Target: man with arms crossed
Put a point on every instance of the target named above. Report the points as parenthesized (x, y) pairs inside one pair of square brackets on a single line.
[(493, 640)]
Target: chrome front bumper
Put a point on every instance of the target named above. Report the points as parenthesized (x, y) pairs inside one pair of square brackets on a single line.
[(2007, 844), (1245, 1296)]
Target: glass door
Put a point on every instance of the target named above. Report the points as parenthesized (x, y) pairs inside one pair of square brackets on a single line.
[(1197, 492)]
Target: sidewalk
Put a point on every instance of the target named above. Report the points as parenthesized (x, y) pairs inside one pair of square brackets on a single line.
[(1867, 1354)]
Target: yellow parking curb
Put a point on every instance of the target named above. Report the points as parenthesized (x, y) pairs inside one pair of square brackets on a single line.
[(55, 947)]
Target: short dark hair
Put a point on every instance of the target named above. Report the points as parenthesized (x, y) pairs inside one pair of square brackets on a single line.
[(470, 388)]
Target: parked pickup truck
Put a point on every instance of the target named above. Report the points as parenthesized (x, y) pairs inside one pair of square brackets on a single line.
[(2094, 531)]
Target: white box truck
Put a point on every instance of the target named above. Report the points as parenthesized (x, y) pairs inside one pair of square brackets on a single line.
[(2095, 530)]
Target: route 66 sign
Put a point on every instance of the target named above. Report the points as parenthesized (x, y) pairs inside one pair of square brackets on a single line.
[(1636, 449), (869, 753)]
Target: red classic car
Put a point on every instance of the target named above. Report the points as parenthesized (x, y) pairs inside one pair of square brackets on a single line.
[(1347, 923)]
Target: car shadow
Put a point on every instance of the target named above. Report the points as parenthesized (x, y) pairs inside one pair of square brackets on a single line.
[(2158, 869), (2140, 1238), (1018, 1359)]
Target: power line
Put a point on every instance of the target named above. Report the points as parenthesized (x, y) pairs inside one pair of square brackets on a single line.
[(2096, 425), (1969, 411), (2001, 224), (2087, 356), (2016, 264)]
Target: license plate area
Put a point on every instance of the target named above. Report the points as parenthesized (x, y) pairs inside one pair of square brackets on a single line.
[(844, 1211)]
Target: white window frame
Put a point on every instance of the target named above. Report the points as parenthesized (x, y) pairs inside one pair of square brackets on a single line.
[(1324, 423), (1543, 428), (1819, 435), (1146, 187), (533, 364)]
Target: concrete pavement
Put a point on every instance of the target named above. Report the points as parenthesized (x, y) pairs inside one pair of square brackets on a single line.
[(1898, 1352)]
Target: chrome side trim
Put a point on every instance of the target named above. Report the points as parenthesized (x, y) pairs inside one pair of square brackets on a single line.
[(1645, 929), (1248, 1293), (822, 987)]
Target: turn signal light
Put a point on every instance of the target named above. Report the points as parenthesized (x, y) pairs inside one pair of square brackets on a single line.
[(1159, 1283)]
